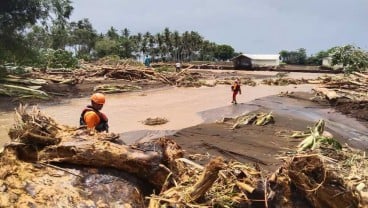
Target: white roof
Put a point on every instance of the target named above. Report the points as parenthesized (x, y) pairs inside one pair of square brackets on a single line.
[(262, 56)]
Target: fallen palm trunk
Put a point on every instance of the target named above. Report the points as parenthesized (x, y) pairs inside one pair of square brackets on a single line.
[(144, 164), (42, 140), (18, 80), (108, 89), (23, 92), (321, 176), (329, 94), (25, 184)]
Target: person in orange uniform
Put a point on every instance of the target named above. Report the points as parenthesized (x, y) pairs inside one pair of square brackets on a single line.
[(91, 115), (235, 88)]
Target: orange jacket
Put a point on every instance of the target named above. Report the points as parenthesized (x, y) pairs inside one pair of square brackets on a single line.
[(236, 87), (94, 119)]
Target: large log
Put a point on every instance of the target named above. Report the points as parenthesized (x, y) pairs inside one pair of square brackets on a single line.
[(43, 140), (329, 94), (150, 165)]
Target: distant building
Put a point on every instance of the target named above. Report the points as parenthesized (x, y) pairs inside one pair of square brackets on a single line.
[(327, 63), (251, 61)]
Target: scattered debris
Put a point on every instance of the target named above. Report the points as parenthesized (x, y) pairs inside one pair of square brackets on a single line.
[(315, 138), (282, 81), (114, 88), (259, 119), (155, 121), (307, 178)]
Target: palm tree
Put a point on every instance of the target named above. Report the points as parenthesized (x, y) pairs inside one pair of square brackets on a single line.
[(168, 42), (161, 49), (176, 45)]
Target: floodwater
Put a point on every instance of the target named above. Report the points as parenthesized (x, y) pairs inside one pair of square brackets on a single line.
[(186, 107), (181, 106)]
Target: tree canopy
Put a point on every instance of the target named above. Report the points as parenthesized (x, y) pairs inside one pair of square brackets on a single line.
[(17, 15), (30, 29), (351, 57)]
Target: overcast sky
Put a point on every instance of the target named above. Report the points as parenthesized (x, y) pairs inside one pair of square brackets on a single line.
[(249, 26)]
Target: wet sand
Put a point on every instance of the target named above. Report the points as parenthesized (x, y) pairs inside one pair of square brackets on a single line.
[(263, 144)]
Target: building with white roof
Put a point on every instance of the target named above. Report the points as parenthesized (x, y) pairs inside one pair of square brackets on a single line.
[(252, 61)]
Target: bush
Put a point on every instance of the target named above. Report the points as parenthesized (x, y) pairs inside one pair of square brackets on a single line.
[(57, 59)]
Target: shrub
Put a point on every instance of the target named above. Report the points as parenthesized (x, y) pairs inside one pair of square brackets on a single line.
[(57, 59)]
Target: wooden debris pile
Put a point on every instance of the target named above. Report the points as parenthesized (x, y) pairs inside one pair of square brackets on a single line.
[(243, 81), (353, 87), (39, 138), (284, 81), (312, 178), (308, 178), (115, 88), (218, 184), (188, 79), (324, 177)]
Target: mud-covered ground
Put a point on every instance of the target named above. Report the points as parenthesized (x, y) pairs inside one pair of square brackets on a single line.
[(265, 144)]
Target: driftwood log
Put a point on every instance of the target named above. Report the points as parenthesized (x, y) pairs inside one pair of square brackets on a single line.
[(150, 165), (61, 144), (329, 94)]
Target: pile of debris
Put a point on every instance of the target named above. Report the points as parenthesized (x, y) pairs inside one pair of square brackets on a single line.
[(284, 81), (353, 87), (259, 119), (42, 83), (348, 94), (48, 164)]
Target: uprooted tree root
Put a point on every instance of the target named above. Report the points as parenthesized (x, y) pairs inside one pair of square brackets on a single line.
[(324, 177)]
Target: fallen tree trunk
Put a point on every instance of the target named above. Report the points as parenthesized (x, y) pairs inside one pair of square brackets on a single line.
[(329, 94), (42, 140), (146, 164)]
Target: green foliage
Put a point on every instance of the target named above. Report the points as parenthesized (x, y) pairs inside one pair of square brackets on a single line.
[(82, 38), (294, 57), (317, 59), (18, 15), (57, 59), (224, 52), (352, 58), (105, 47)]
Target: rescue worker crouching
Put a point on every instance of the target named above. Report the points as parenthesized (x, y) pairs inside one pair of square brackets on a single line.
[(91, 115)]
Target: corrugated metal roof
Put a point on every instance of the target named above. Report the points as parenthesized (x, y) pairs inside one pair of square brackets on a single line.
[(262, 56)]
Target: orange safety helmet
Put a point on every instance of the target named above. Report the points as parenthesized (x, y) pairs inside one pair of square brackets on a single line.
[(98, 98)]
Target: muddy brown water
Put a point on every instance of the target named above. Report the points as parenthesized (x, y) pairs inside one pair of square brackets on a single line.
[(185, 107), (181, 106)]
